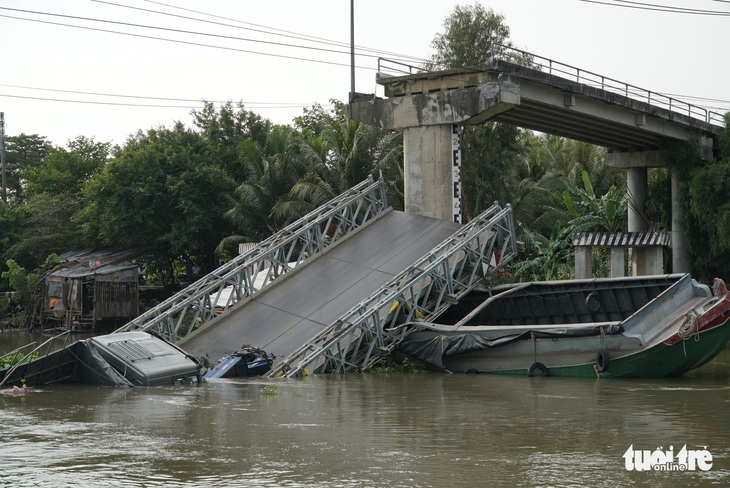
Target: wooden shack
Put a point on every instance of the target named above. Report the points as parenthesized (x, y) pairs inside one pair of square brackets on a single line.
[(91, 289)]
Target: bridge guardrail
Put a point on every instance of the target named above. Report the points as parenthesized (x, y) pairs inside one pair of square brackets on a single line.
[(578, 75)]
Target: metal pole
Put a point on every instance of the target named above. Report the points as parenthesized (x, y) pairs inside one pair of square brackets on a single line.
[(2, 157), (352, 48)]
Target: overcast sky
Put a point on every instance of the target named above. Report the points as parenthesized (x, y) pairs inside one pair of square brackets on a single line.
[(61, 82)]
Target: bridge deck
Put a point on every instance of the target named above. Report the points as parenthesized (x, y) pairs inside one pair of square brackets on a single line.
[(291, 312)]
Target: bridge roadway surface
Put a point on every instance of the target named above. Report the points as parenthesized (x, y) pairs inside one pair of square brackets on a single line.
[(300, 304)]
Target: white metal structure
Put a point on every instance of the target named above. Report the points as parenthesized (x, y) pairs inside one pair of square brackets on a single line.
[(424, 290), (255, 270)]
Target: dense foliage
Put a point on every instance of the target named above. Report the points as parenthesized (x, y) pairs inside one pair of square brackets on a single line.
[(181, 196), (707, 209)]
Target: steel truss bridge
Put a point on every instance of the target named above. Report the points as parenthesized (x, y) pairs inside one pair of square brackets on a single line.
[(255, 298)]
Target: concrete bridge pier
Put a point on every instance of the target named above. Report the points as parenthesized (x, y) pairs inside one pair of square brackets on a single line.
[(432, 183), (637, 164), (430, 114), (681, 259), (642, 259)]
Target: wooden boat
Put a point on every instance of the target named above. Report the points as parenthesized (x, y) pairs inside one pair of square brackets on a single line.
[(648, 326)]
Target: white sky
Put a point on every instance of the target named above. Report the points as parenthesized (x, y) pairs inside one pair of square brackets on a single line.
[(684, 55)]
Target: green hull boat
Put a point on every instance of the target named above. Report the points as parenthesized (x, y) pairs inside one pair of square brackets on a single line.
[(642, 327)]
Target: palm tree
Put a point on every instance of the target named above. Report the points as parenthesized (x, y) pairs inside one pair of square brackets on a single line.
[(273, 170), (345, 153)]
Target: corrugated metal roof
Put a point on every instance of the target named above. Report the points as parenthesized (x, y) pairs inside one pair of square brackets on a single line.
[(76, 264), (621, 239)]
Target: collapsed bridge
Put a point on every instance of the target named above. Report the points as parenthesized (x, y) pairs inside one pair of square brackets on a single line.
[(328, 293)]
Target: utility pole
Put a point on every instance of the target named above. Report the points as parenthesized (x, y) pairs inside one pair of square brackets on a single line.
[(2, 157), (352, 48)]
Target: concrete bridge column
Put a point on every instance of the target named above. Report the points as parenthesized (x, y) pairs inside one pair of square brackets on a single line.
[(637, 183), (430, 112), (583, 262), (681, 259), (616, 263), (429, 189)]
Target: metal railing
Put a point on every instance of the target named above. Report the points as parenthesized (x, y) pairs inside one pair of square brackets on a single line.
[(371, 329), (578, 75), (256, 269), (19, 359)]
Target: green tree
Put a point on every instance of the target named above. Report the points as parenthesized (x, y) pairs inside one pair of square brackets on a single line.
[(492, 154), (707, 209), (66, 170), (491, 151), (12, 218), (23, 283), (472, 34), (342, 154), (53, 197), (226, 128), (296, 171), (538, 207), (273, 170), (592, 212), (315, 119), (547, 259), (164, 194), (22, 153)]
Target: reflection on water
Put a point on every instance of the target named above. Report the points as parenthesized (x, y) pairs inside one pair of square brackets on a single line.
[(426, 430)]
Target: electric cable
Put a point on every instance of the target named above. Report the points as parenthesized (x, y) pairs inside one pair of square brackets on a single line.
[(658, 8)]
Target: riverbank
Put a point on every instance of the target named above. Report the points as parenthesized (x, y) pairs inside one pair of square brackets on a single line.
[(10, 323)]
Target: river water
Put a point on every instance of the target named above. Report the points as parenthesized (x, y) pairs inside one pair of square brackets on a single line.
[(367, 430)]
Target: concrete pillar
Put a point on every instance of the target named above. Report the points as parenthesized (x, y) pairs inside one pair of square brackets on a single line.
[(428, 187), (637, 183), (583, 262), (617, 262), (681, 259), (653, 260)]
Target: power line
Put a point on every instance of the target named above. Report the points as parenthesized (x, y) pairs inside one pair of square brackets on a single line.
[(677, 9), (287, 104), (659, 8), (178, 31), (182, 31), (120, 104), (189, 43), (92, 102), (263, 29)]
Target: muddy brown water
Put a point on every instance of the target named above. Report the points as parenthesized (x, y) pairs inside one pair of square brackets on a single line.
[(367, 430)]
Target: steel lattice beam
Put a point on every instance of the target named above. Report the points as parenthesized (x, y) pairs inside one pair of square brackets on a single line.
[(256, 269), (372, 329)]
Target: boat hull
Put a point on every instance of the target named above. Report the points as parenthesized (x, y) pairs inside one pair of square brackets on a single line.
[(660, 360), (674, 326)]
